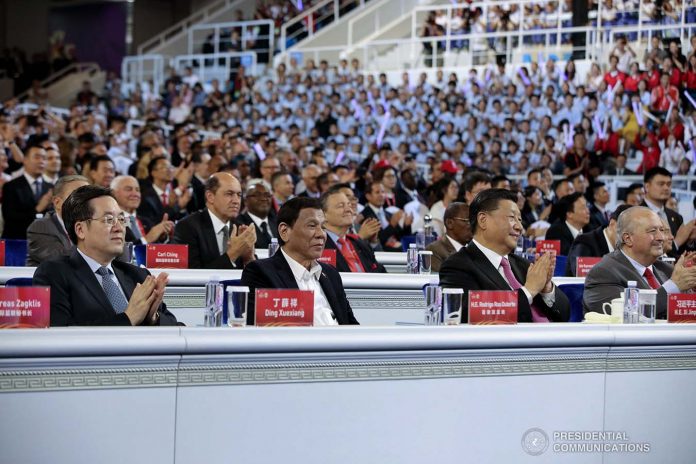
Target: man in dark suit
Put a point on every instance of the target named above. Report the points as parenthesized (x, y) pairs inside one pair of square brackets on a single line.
[(573, 215), (352, 253), (407, 190), (457, 234), (658, 189), (620, 169), (599, 216), (487, 263), (214, 242), (47, 237), (159, 196), (595, 243), (640, 232), (391, 233), (295, 264), (259, 204), (26, 196), (90, 287)]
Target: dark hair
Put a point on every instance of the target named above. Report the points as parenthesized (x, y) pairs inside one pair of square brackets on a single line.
[(77, 208), (290, 211), (572, 177), (488, 201), (533, 171), (656, 171), (566, 205), (617, 212), (441, 186), (530, 189), (473, 178), (153, 163), (278, 175), (453, 210), (497, 179), (94, 161)]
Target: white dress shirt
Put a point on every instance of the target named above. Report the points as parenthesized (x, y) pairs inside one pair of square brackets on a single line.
[(309, 280), (573, 230), (94, 266), (258, 221), (669, 286), (457, 246), (496, 259), (609, 244)]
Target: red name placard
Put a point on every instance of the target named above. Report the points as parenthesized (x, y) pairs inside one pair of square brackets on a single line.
[(681, 308), (585, 263), (25, 307), (553, 246), (284, 307), (492, 307), (2, 252), (167, 256), (328, 257)]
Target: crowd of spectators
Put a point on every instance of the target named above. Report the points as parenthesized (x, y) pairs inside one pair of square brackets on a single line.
[(300, 130)]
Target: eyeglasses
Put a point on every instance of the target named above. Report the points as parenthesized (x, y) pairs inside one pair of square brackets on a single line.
[(110, 219), (263, 196), (461, 219)]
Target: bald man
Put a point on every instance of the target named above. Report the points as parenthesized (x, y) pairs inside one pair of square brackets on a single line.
[(640, 237), (214, 241)]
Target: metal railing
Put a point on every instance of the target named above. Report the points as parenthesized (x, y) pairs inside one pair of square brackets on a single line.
[(248, 30), (143, 68), (182, 27), (26, 108), (217, 65), (57, 76)]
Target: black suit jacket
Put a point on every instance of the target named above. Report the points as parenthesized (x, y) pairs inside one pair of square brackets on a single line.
[(151, 208), (19, 207), (469, 269), (675, 219), (402, 197), (364, 251), (196, 231), (626, 172), (590, 243), (77, 298), (262, 240), (275, 272), (560, 231), (597, 218), (387, 232)]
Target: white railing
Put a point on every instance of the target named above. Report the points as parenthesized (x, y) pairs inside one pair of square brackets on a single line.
[(209, 66), (182, 27), (375, 17), (306, 24), (143, 68), (25, 108), (249, 30)]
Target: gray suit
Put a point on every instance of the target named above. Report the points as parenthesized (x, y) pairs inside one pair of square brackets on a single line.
[(442, 249), (610, 277), (47, 239)]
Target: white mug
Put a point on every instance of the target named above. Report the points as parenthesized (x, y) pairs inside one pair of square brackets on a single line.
[(616, 308)]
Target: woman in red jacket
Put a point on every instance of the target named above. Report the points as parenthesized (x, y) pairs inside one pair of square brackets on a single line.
[(689, 77)]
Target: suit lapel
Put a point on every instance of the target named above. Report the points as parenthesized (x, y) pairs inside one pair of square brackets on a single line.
[(209, 233), (126, 282), (486, 268), (61, 231), (85, 275), (284, 272), (330, 295), (623, 261)]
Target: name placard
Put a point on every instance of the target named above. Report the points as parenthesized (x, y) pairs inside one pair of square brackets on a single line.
[(167, 256), (25, 307), (545, 246), (492, 307), (584, 264), (328, 257), (2, 252), (681, 308), (284, 308)]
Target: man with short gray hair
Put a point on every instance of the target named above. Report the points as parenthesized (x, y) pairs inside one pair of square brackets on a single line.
[(640, 236), (47, 237)]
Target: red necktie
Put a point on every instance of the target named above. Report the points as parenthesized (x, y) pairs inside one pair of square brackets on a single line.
[(349, 254), (650, 277), (537, 316), (164, 199)]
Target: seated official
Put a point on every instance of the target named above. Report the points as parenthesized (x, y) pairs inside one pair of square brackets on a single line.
[(486, 263), (595, 243), (391, 231), (640, 235), (573, 215), (47, 237), (457, 234), (139, 230), (258, 199), (352, 253), (295, 264), (214, 241), (90, 287)]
